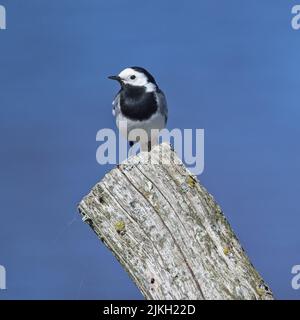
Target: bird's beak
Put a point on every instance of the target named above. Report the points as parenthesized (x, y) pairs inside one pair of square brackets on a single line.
[(115, 78)]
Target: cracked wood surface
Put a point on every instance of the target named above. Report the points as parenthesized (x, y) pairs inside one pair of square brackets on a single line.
[(168, 233)]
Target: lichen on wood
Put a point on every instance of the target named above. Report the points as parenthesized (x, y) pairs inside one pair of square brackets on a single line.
[(168, 232)]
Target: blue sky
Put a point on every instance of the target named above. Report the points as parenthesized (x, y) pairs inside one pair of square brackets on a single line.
[(228, 67)]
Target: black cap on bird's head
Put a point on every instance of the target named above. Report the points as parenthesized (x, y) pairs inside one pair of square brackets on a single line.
[(146, 73)]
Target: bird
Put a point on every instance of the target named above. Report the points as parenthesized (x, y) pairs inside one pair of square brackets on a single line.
[(141, 104)]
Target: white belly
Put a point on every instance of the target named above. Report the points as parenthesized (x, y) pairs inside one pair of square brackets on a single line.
[(157, 121)]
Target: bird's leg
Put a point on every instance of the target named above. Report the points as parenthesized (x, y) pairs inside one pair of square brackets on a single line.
[(131, 144), (154, 139)]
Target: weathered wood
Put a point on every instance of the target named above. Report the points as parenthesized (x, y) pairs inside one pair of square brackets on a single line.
[(169, 233)]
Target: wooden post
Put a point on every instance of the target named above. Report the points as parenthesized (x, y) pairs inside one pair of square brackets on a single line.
[(168, 233)]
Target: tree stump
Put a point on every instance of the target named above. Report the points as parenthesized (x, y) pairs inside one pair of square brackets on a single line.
[(168, 233)]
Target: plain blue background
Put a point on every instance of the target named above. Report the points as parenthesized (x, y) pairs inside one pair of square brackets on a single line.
[(230, 67)]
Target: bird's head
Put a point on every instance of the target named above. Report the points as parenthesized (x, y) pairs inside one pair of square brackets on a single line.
[(137, 77)]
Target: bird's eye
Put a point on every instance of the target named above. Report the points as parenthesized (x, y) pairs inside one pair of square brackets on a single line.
[(132, 77)]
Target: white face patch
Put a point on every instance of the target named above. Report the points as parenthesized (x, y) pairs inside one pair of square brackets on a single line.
[(135, 78)]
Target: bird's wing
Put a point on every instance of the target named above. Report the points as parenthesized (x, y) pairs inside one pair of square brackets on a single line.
[(116, 105), (162, 104)]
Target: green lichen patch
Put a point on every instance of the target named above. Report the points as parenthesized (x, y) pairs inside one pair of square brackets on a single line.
[(191, 181), (120, 227)]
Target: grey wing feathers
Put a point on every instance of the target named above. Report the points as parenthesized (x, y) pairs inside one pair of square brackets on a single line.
[(162, 104), (116, 105)]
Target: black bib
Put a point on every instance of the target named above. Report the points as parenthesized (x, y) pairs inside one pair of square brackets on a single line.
[(136, 103)]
